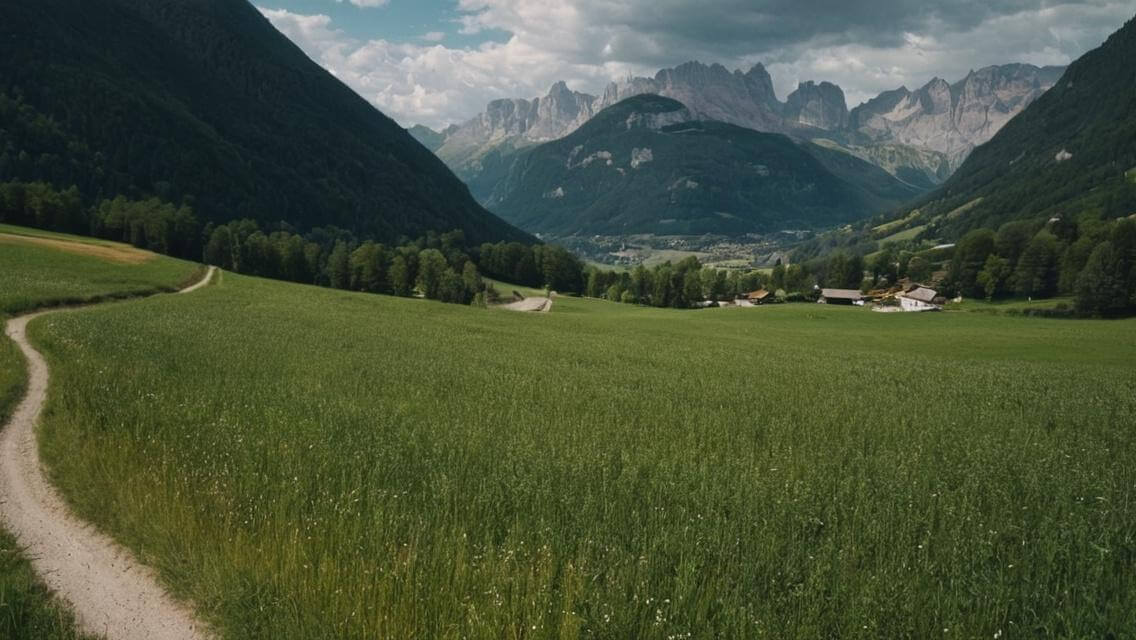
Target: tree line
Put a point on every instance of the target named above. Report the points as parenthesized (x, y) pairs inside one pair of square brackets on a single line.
[(1090, 258), (679, 285), (438, 266)]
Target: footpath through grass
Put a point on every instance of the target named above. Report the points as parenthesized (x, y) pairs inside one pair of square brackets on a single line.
[(308, 463), (27, 609), (35, 274)]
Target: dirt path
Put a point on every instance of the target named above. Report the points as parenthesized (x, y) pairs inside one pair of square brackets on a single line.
[(534, 304), (110, 592)]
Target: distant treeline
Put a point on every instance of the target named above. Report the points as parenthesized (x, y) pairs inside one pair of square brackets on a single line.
[(438, 266), (679, 285), (1092, 259), (688, 282)]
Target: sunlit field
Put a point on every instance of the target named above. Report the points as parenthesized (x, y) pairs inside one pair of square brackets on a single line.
[(308, 463), (40, 268)]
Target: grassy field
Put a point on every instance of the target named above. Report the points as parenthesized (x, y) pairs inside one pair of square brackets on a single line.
[(35, 273), (307, 463), (48, 269), (906, 234), (1015, 305)]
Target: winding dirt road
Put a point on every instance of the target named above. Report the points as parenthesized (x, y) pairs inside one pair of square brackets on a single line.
[(110, 592)]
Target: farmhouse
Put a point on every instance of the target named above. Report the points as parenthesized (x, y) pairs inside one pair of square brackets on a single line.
[(840, 296), (761, 296), (920, 299)]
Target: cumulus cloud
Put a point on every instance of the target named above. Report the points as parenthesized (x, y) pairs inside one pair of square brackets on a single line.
[(865, 46), (434, 36)]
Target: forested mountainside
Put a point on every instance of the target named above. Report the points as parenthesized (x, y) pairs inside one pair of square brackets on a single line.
[(1072, 151), (647, 165), (203, 103)]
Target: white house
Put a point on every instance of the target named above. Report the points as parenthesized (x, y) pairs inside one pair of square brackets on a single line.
[(919, 299)]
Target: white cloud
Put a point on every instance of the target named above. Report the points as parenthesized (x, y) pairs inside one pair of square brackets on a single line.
[(434, 36), (367, 3), (865, 47)]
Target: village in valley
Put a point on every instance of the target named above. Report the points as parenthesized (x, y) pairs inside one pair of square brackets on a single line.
[(906, 297)]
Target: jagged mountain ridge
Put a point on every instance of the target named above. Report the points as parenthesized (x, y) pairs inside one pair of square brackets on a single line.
[(953, 119), (648, 165), (920, 137), (1069, 153)]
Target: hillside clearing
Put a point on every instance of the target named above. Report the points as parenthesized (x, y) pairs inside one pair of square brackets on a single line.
[(123, 254)]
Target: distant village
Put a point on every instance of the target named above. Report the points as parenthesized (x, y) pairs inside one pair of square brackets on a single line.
[(910, 297)]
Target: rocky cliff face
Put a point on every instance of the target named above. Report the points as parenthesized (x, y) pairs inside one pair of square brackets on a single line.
[(711, 93), (515, 121), (817, 105), (919, 136), (952, 119)]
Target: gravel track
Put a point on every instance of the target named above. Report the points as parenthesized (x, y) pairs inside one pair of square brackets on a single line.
[(111, 593)]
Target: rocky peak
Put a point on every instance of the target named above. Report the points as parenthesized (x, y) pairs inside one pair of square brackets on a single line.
[(935, 96), (953, 119), (817, 105), (560, 112), (559, 88), (694, 74), (934, 126), (507, 117)]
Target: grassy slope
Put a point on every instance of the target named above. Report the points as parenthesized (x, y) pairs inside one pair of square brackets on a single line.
[(37, 277), (307, 463), (34, 277)]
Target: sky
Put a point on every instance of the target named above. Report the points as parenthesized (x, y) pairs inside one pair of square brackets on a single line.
[(438, 62)]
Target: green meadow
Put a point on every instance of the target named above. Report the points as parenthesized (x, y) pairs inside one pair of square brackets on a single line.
[(309, 463), (42, 269), (33, 275)]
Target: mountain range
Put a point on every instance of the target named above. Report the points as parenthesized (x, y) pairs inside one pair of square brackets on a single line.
[(204, 102), (1069, 153), (648, 164), (919, 136)]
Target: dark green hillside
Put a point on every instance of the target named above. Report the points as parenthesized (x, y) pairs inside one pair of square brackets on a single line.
[(642, 166), (1089, 114), (877, 189), (204, 102)]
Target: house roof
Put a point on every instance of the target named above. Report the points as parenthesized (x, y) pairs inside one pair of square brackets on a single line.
[(841, 294), (922, 294), (760, 294)]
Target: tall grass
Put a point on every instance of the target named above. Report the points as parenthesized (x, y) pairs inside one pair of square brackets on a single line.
[(306, 463), (32, 277)]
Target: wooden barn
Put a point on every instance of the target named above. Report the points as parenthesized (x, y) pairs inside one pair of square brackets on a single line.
[(840, 296), (761, 296)]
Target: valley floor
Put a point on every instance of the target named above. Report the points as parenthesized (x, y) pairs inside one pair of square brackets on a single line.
[(306, 463)]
